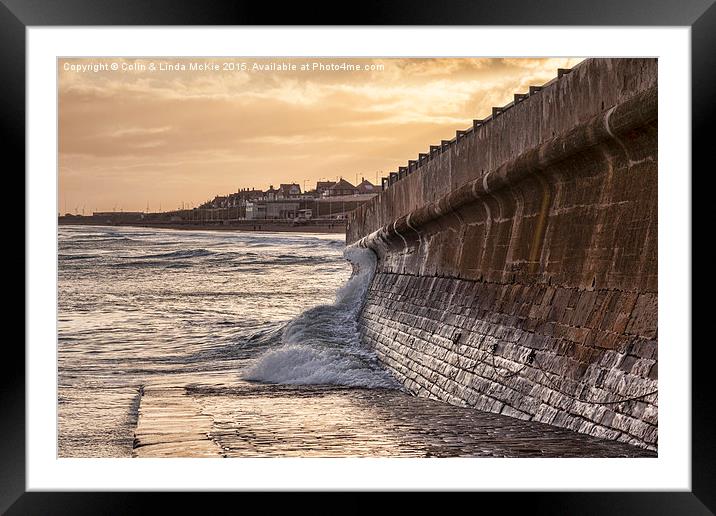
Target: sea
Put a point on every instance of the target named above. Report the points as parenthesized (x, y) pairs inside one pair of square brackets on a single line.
[(183, 343)]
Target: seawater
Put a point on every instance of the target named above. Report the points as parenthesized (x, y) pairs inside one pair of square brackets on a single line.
[(206, 344), (322, 344)]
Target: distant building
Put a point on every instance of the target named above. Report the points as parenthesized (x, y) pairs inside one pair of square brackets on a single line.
[(271, 210), (342, 187), (220, 201), (304, 214), (329, 199), (365, 187), (323, 186), (289, 191), (255, 210), (232, 201), (243, 195), (271, 194)]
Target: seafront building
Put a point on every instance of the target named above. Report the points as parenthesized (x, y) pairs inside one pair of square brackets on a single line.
[(329, 200)]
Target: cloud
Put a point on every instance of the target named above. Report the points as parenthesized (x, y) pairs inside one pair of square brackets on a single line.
[(136, 131)]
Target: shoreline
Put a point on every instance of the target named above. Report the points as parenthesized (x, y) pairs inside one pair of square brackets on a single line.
[(336, 228)]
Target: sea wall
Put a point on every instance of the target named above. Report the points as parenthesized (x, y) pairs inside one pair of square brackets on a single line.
[(517, 262)]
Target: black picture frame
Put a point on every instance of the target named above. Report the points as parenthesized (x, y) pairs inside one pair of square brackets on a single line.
[(17, 15)]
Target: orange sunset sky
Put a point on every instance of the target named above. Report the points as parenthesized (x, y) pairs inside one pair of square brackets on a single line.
[(128, 138)]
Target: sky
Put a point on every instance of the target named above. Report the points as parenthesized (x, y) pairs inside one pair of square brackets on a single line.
[(153, 134)]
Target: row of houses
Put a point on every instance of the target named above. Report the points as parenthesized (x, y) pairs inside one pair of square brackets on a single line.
[(292, 191), (343, 187)]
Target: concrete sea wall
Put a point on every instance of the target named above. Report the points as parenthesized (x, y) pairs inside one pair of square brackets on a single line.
[(517, 262)]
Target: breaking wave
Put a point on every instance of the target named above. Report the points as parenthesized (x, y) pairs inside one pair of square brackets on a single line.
[(322, 345)]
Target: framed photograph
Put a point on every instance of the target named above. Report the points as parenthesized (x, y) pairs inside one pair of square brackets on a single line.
[(422, 252)]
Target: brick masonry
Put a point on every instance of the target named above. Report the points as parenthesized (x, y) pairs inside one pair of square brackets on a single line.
[(528, 287)]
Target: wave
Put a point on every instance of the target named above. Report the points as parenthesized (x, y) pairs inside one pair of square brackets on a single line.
[(229, 258), (322, 345), (282, 260), (265, 335), (94, 241), (191, 253), (62, 257)]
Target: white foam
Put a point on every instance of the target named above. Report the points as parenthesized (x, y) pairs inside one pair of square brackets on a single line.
[(322, 345)]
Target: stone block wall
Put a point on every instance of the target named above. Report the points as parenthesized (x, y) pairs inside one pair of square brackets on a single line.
[(469, 343), (520, 276)]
